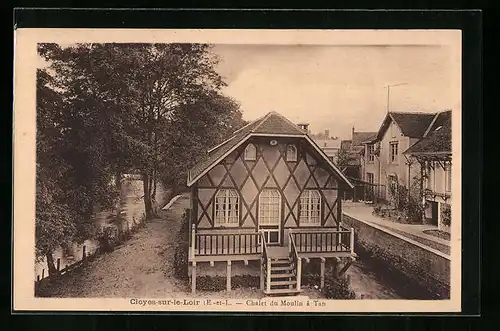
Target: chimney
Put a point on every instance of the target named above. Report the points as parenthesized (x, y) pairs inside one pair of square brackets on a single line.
[(352, 132), (304, 126), (327, 134)]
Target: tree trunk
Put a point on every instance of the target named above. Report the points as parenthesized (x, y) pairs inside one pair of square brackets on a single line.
[(50, 264), (118, 181), (148, 206)]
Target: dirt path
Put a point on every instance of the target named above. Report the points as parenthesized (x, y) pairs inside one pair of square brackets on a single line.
[(141, 267)]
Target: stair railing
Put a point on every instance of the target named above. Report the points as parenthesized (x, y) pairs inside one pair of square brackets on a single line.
[(295, 259), (265, 261)]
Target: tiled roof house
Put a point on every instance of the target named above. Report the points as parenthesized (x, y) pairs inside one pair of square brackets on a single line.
[(263, 197)]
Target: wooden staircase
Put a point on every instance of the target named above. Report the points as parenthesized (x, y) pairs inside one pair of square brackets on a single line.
[(283, 277)]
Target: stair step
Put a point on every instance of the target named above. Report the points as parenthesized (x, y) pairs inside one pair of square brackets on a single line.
[(280, 259), (284, 282), (278, 263), (283, 291), (284, 275), (281, 268)]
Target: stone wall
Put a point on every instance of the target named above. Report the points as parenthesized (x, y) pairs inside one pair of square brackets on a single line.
[(423, 266)]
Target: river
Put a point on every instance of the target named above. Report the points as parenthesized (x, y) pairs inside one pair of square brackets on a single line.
[(131, 209)]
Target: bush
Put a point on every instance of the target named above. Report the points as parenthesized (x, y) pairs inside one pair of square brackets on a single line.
[(338, 288), (182, 250), (211, 283), (108, 239), (218, 283), (446, 214), (408, 202)]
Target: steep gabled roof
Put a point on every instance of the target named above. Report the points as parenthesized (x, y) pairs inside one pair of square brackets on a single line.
[(438, 138), (411, 124), (272, 124), (359, 137)]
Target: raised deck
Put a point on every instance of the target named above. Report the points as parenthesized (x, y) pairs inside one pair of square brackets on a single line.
[(281, 265)]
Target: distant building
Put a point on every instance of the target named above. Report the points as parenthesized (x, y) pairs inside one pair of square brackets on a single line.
[(411, 146), (433, 153), (355, 166), (385, 164), (330, 145)]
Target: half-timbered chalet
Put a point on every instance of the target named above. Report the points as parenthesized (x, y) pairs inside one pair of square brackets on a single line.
[(268, 193)]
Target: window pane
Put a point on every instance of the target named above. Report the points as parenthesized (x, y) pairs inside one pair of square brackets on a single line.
[(226, 207), (250, 152)]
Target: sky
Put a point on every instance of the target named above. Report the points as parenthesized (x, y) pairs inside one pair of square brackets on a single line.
[(336, 87)]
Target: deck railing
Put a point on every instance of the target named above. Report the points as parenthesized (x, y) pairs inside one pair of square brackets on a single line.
[(265, 262), (315, 241), (295, 259), (225, 243)]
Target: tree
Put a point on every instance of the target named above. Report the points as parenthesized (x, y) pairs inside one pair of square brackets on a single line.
[(72, 175), (344, 157), (108, 108), (198, 126)]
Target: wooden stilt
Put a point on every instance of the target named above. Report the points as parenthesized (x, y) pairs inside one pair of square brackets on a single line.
[(336, 267), (322, 273), (193, 278), (211, 263), (299, 273), (228, 278)]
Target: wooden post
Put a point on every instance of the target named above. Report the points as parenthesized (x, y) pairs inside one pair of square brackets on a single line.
[(43, 273), (58, 264), (299, 273), (439, 215), (352, 240), (336, 267), (289, 241), (261, 243), (268, 279), (262, 275), (228, 278), (193, 277), (322, 273), (423, 181), (193, 238), (84, 254)]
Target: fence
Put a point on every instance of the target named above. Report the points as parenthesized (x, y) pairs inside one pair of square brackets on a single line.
[(375, 192), (69, 267)]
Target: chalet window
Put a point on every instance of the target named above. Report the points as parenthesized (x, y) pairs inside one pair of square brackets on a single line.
[(250, 152), (226, 208), (393, 156), (310, 208), (291, 153), (371, 153), (448, 177)]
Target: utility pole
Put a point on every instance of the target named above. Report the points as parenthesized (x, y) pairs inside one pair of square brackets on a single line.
[(389, 92)]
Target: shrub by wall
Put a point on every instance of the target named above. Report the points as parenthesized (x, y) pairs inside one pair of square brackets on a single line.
[(338, 287), (181, 250), (218, 283)]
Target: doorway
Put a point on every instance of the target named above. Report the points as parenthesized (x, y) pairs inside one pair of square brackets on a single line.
[(270, 216)]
